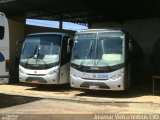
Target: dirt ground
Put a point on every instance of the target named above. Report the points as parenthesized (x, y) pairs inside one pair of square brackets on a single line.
[(25, 99)]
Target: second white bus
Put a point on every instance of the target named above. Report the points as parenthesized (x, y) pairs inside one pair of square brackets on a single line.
[(104, 59)]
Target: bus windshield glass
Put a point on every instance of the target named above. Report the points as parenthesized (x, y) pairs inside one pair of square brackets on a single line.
[(41, 49), (99, 49)]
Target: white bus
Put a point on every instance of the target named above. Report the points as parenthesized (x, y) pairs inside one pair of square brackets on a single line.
[(45, 58), (103, 59), (4, 49)]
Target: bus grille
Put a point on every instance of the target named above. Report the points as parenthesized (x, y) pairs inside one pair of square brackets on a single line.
[(39, 79), (100, 84)]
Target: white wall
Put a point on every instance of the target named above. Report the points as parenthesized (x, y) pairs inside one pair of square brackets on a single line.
[(144, 31)]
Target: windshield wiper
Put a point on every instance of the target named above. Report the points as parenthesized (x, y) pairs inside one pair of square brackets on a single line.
[(32, 56), (89, 53), (36, 55)]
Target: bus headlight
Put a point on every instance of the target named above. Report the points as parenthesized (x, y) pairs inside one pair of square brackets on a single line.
[(74, 75), (53, 72), (115, 77), (20, 70)]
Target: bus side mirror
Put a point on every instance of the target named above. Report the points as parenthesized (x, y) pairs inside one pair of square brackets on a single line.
[(130, 46), (69, 46), (18, 44), (68, 49)]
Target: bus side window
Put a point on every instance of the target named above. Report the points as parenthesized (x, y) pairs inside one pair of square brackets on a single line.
[(1, 32)]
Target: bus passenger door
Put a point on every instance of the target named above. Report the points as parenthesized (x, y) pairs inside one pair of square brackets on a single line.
[(65, 62)]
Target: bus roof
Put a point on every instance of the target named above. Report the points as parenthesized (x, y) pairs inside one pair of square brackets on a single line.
[(101, 30), (45, 33)]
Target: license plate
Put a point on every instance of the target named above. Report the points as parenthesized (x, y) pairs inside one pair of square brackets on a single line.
[(94, 87), (35, 81), (101, 76)]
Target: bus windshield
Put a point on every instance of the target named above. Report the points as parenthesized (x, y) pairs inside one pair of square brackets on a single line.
[(41, 49), (99, 49)]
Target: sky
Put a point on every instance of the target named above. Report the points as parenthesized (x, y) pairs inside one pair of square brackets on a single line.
[(55, 24)]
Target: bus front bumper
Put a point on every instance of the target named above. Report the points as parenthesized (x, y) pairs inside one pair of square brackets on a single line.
[(39, 79), (116, 84)]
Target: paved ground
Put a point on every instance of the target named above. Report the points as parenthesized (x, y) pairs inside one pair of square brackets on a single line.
[(27, 100)]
